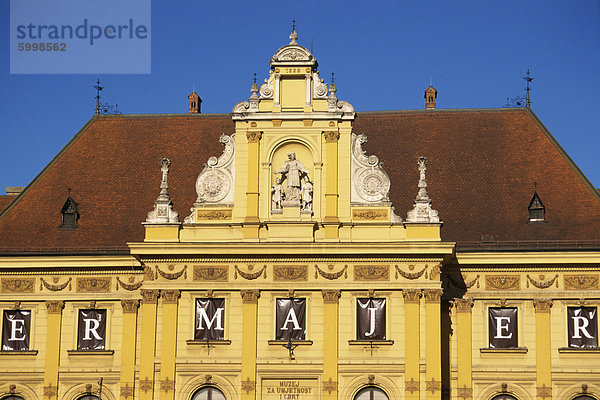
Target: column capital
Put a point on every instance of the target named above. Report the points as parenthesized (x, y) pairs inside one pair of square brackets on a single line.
[(463, 305), (171, 296), (250, 296), (130, 306), (253, 136), (331, 136), (149, 296), (331, 296), (433, 295), (542, 305), (55, 306), (412, 295)]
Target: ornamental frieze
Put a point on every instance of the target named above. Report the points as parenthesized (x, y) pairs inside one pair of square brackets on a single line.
[(463, 283), (503, 282), (411, 275), (172, 275), (331, 275), (250, 275), (371, 272), (290, 272), (582, 282), (55, 286), (18, 285), (541, 284), (211, 273), (213, 215), (93, 285), (370, 215), (131, 285)]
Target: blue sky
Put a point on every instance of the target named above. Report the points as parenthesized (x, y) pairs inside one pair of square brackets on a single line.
[(383, 55)]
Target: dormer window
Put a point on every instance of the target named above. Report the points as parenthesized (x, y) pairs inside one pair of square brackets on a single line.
[(537, 211), (70, 215)]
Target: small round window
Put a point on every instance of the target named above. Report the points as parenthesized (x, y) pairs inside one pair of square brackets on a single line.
[(371, 393), (208, 393)]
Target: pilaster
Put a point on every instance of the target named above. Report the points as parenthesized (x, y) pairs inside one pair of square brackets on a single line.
[(170, 303), (331, 220), (130, 308), (433, 343), (54, 312), (148, 345), (249, 327), (543, 350), (464, 348), (330, 344), (412, 300), (251, 222)]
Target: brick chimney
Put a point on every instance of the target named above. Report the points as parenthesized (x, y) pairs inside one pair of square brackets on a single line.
[(195, 102), (430, 95)]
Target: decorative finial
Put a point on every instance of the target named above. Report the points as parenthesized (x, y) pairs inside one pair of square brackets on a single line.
[(527, 79), (98, 90), (332, 77), (422, 211), (293, 35), (163, 212), (254, 79)]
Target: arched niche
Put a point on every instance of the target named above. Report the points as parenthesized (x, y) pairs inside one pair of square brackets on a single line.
[(304, 154)]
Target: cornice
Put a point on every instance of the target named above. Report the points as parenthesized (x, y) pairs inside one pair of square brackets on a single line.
[(528, 257)]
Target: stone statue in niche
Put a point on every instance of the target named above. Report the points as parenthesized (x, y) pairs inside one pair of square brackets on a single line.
[(292, 172), (277, 195), (307, 195)]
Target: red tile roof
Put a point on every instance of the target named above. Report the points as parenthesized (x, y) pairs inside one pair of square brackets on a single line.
[(483, 165)]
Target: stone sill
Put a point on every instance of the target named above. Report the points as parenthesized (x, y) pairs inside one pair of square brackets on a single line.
[(578, 350), (18, 353), (209, 342), (510, 350), (370, 342), (90, 352), (295, 342)]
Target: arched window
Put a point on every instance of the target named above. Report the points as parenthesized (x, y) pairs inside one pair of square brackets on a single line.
[(504, 397), (13, 397), (371, 393), (89, 397), (583, 397), (208, 393)]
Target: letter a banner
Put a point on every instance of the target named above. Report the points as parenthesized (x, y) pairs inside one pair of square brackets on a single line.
[(91, 333), (291, 319), (15, 330), (582, 325), (370, 315)]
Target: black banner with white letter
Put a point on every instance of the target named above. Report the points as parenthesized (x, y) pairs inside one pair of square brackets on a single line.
[(583, 327), (210, 319), (91, 330), (370, 314), (503, 328), (291, 319), (16, 325)]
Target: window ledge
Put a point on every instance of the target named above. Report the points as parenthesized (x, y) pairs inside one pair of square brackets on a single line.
[(579, 350), (513, 350), (296, 342), (18, 353), (90, 352), (209, 342), (370, 342)]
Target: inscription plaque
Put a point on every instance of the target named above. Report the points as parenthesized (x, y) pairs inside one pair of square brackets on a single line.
[(290, 389)]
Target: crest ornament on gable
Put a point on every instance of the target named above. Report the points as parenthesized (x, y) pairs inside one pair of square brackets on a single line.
[(214, 185), (422, 210), (370, 183)]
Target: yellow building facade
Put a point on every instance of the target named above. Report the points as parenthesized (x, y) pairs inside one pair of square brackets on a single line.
[(293, 278)]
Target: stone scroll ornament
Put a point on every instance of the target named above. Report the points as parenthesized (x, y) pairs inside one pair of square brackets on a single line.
[(163, 212), (370, 183), (214, 185), (422, 211)]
